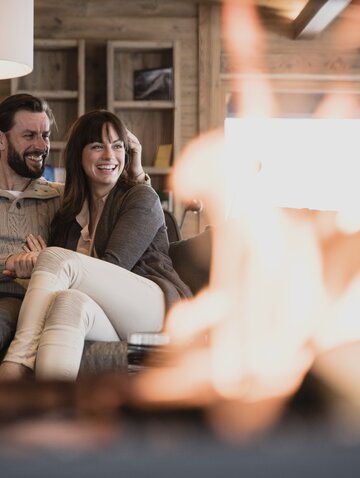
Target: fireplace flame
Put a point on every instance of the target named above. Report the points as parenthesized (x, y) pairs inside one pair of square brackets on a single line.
[(284, 284)]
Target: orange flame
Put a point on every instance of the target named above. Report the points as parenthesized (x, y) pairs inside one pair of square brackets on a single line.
[(281, 288)]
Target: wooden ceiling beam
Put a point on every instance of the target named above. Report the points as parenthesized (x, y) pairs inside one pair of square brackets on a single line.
[(316, 16)]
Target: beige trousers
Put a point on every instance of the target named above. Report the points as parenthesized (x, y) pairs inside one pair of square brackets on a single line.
[(72, 297)]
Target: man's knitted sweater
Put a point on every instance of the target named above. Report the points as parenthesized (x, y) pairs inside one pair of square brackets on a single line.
[(30, 212)]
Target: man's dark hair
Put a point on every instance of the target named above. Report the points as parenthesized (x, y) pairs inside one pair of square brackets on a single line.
[(20, 102)]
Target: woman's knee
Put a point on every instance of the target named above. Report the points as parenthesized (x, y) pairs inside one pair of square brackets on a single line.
[(59, 261), (53, 257), (71, 308)]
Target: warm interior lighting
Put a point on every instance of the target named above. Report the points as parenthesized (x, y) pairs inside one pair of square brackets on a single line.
[(317, 15), (16, 38)]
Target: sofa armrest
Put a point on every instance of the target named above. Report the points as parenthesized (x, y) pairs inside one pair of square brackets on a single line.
[(191, 259), (101, 357)]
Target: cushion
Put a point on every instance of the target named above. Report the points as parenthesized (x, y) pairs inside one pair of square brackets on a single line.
[(192, 258)]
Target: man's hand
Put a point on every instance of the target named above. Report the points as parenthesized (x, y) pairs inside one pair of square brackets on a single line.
[(21, 265)]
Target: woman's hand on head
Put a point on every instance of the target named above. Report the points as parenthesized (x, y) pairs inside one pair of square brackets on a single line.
[(134, 144), (135, 169)]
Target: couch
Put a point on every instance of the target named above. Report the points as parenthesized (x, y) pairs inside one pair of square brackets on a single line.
[(191, 259)]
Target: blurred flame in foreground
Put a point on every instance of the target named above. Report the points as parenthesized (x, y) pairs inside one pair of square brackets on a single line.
[(283, 286)]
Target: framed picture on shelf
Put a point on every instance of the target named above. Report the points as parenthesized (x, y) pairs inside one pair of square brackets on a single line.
[(153, 84)]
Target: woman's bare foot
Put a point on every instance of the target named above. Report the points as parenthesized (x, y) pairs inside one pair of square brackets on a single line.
[(13, 371)]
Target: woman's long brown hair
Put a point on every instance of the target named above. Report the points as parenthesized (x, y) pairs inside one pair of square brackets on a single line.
[(86, 129)]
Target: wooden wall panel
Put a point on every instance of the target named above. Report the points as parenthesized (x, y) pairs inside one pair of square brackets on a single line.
[(4, 88), (302, 72), (133, 8), (209, 66), (122, 27), (98, 22), (315, 66), (162, 8), (320, 56)]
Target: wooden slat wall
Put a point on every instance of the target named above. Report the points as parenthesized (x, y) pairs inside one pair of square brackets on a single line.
[(318, 65), (209, 66), (201, 76), (97, 21), (4, 88), (302, 72), (117, 8)]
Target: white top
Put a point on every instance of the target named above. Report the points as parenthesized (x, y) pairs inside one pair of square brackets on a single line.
[(86, 241)]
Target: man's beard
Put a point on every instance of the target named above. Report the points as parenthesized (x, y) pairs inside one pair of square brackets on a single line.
[(18, 163)]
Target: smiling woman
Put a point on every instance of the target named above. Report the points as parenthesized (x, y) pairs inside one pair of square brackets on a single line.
[(116, 279), (94, 160)]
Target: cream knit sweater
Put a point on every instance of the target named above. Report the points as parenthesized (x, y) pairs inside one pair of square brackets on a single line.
[(30, 212)]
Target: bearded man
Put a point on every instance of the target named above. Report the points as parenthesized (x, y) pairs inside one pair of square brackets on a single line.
[(27, 201)]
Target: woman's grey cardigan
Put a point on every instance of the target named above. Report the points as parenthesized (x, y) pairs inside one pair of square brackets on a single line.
[(131, 233)]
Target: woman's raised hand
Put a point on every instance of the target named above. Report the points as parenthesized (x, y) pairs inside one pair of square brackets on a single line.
[(135, 169)]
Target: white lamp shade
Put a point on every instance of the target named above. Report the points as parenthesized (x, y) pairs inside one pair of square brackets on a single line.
[(16, 38)]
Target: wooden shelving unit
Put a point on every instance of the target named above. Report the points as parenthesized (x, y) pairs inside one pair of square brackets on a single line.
[(154, 122), (58, 77)]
